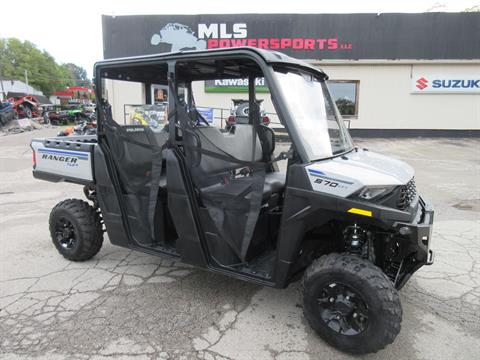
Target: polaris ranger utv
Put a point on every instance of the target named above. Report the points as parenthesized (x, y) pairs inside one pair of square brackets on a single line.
[(347, 220)]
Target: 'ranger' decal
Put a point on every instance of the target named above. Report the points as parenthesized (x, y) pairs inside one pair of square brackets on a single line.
[(70, 158), (66, 159)]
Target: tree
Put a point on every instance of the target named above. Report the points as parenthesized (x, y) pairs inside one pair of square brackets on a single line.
[(79, 74), (43, 72), (345, 106)]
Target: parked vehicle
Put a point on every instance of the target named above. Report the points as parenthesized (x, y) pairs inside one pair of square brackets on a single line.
[(6, 112), (83, 128), (77, 114), (239, 113), (347, 220), (150, 115), (89, 108), (26, 106)]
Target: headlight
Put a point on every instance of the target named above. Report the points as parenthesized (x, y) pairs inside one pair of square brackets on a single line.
[(371, 192)]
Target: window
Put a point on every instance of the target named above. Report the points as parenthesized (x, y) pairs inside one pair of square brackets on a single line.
[(159, 93), (137, 95), (225, 111), (311, 107), (345, 94)]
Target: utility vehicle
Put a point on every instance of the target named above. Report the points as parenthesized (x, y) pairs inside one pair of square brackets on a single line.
[(239, 113), (151, 115), (347, 220)]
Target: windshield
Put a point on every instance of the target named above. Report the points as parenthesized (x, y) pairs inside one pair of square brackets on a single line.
[(314, 115)]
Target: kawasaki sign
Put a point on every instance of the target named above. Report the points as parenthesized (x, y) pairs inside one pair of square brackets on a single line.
[(427, 82), (234, 85), (304, 36)]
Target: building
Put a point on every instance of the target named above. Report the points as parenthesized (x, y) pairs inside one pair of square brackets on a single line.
[(72, 94), (16, 87), (391, 74)]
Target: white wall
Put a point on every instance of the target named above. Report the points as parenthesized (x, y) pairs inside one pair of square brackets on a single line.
[(16, 86), (385, 98), (120, 93), (385, 101)]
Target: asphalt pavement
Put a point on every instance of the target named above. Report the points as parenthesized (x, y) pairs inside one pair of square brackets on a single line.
[(128, 305)]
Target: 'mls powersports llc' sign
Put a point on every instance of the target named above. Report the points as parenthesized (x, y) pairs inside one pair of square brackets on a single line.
[(303, 36), (427, 83)]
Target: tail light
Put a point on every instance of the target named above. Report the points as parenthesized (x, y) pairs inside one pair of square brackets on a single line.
[(266, 120), (34, 159), (231, 120)]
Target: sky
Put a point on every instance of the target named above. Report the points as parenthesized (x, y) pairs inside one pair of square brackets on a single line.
[(71, 31)]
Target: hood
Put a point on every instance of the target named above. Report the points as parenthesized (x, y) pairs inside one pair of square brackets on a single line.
[(358, 169), (373, 168)]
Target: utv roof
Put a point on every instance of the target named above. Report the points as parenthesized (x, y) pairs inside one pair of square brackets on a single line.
[(271, 57)]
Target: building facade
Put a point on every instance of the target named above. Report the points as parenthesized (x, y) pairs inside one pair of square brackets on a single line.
[(390, 74), (16, 86)]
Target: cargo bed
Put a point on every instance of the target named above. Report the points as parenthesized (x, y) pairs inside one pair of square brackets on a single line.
[(67, 159)]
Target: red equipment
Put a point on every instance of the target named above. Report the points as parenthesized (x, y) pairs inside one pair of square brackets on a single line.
[(26, 106)]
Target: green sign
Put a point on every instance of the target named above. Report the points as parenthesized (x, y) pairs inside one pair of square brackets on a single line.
[(234, 86)]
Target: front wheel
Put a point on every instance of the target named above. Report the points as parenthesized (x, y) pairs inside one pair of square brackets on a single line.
[(27, 112), (76, 230), (351, 303)]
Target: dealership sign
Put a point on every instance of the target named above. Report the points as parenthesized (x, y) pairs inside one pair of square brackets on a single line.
[(427, 83), (234, 86), (304, 36)]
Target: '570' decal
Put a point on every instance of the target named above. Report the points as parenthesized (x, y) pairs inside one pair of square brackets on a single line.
[(322, 179), (326, 182)]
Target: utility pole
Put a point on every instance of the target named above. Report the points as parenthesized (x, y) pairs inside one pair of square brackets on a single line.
[(1, 83), (26, 81)]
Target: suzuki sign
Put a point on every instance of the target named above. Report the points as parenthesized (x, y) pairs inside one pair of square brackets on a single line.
[(428, 83)]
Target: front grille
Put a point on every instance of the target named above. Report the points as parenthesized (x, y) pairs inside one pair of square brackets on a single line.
[(407, 195)]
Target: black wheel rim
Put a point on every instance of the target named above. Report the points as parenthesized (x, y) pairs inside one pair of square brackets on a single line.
[(65, 233), (342, 309)]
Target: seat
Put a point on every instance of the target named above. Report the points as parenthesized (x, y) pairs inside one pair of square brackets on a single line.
[(208, 170), (274, 183)]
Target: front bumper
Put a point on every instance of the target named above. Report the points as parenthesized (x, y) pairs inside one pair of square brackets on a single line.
[(419, 231), (417, 237)]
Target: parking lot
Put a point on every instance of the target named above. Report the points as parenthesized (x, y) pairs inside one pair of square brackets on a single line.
[(125, 304)]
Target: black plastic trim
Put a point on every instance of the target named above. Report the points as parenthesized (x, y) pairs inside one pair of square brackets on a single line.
[(41, 175)]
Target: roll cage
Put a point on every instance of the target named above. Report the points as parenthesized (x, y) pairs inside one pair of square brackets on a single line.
[(264, 59)]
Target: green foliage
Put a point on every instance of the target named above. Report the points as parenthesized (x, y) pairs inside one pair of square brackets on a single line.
[(345, 106), (43, 72), (79, 75)]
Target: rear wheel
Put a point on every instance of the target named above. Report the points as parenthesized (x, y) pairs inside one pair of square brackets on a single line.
[(76, 230), (351, 303)]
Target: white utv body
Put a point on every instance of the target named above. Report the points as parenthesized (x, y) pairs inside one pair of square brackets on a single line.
[(348, 221)]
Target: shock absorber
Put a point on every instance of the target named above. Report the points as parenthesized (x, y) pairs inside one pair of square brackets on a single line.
[(354, 238)]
